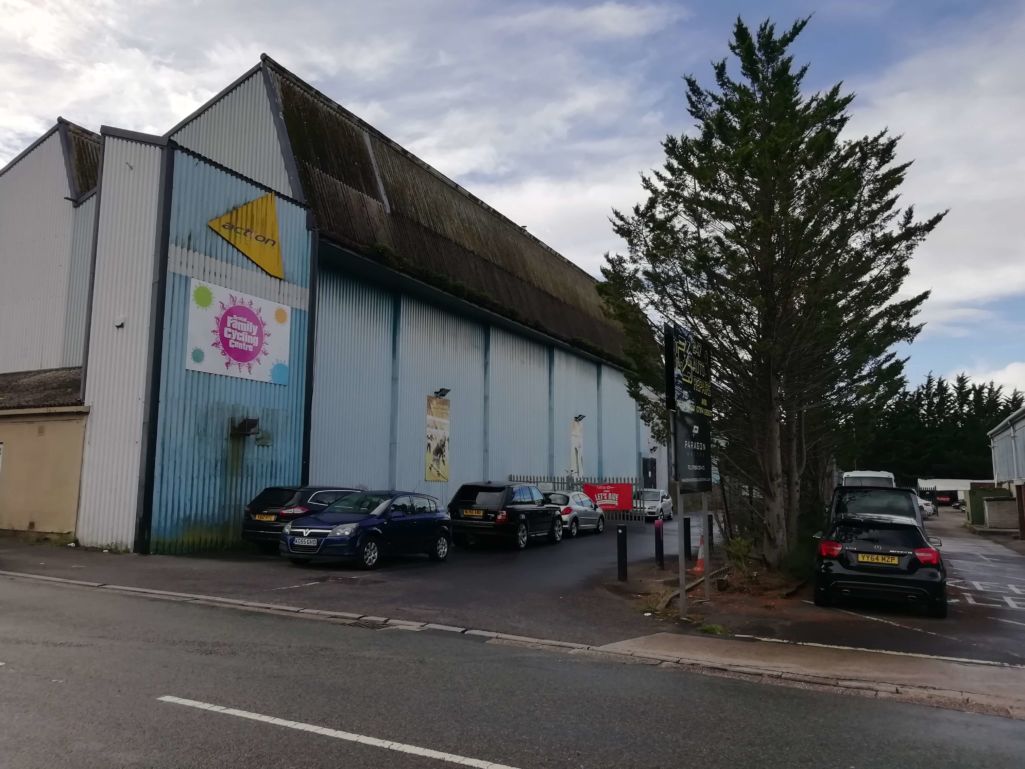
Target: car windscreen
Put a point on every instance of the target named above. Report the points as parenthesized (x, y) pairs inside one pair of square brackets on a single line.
[(651, 496), (867, 480), (275, 496), (855, 501), (554, 498), (359, 502), (872, 533), (492, 497)]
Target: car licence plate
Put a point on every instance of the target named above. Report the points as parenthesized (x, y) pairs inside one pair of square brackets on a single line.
[(473, 513), (304, 541), (889, 560), (264, 517)]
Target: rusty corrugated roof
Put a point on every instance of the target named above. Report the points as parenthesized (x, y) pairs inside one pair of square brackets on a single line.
[(83, 157), (371, 195), (41, 389)]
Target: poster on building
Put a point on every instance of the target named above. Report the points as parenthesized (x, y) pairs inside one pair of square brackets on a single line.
[(234, 334), (576, 447), (689, 400), (436, 460)]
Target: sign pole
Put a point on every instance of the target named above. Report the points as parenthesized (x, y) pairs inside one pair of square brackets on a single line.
[(707, 554), (680, 543)]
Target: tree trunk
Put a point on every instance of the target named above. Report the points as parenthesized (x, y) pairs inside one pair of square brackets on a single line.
[(794, 472), (774, 540)]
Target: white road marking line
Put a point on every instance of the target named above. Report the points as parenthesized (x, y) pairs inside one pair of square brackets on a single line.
[(998, 619), (989, 663), (293, 587), (398, 747)]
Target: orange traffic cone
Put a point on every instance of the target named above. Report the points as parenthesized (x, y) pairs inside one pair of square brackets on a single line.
[(699, 567)]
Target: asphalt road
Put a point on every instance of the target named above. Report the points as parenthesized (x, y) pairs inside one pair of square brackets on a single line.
[(84, 674), (547, 591)]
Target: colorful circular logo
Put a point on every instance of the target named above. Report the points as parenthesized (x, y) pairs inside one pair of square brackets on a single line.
[(241, 334)]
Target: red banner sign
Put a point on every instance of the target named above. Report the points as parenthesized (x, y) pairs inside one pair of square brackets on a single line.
[(611, 496)]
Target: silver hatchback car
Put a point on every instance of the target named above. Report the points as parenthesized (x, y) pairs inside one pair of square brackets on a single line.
[(579, 512)]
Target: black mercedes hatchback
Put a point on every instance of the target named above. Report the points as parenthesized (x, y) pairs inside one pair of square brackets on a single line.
[(880, 556)]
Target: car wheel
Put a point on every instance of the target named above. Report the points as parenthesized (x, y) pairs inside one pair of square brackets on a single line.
[(300, 561), (555, 533), (440, 550), (938, 607), (574, 528), (600, 526), (522, 535), (369, 553)]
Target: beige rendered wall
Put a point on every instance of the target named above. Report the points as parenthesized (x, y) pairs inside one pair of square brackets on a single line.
[(40, 470)]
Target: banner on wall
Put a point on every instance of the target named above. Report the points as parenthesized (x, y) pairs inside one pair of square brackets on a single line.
[(576, 447), (436, 459), (234, 334)]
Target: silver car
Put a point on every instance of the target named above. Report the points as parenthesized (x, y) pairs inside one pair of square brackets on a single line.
[(579, 513), (655, 503)]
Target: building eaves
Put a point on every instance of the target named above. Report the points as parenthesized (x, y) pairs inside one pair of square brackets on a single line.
[(1013, 419)]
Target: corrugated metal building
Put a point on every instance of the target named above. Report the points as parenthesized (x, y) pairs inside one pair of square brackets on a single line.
[(271, 293), (1007, 444)]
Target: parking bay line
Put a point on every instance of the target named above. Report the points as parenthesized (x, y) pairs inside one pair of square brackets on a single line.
[(998, 619), (337, 734)]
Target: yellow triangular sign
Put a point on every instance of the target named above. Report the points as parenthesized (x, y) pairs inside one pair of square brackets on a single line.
[(252, 228)]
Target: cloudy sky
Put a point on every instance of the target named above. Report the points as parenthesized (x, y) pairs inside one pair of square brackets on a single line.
[(549, 110)]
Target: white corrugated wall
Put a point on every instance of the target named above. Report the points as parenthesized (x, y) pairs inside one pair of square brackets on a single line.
[(619, 425), (576, 393), (76, 306), (439, 350), (238, 131), (352, 383), (35, 248), (118, 356), (519, 414)]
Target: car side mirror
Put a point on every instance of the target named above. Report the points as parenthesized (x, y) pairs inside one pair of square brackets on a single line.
[(817, 535), (935, 541)]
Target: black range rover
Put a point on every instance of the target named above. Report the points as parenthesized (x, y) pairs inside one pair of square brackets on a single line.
[(514, 512)]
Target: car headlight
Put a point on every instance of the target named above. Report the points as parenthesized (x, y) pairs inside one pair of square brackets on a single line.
[(288, 529), (345, 530)]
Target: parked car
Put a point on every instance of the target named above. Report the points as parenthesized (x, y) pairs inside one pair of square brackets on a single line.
[(880, 556), (875, 500), (267, 514), (655, 503), (514, 512), (366, 526), (928, 508), (578, 511)]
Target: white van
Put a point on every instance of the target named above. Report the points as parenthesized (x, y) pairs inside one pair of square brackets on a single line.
[(869, 478)]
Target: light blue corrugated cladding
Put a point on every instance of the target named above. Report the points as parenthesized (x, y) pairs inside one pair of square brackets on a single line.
[(518, 425), (203, 475), (352, 383), (576, 393), (439, 350), (619, 425)]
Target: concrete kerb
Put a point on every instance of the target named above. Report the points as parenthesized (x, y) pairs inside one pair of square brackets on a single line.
[(942, 698)]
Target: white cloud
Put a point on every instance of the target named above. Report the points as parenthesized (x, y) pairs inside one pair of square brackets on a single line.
[(944, 319), (604, 21), (959, 101), (1011, 376)]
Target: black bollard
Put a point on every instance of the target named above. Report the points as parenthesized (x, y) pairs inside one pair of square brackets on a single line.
[(660, 554), (621, 551), (686, 537), (708, 531)]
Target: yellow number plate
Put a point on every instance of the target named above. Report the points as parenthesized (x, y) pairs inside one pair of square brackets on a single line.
[(264, 517), (473, 513), (889, 560)]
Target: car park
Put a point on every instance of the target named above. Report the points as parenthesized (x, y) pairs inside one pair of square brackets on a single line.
[(880, 556), (875, 500), (578, 511), (366, 526), (655, 503), (511, 512), (266, 515)]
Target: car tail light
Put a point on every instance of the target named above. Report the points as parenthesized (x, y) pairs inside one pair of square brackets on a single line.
[(567, 510), (830, 549), (298, 510), (501, 517), (927, 556)]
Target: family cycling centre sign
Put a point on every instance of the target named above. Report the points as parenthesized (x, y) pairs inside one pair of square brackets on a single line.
[(237, 335)]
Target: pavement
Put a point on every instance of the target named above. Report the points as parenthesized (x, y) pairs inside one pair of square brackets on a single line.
[(93, 678)]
